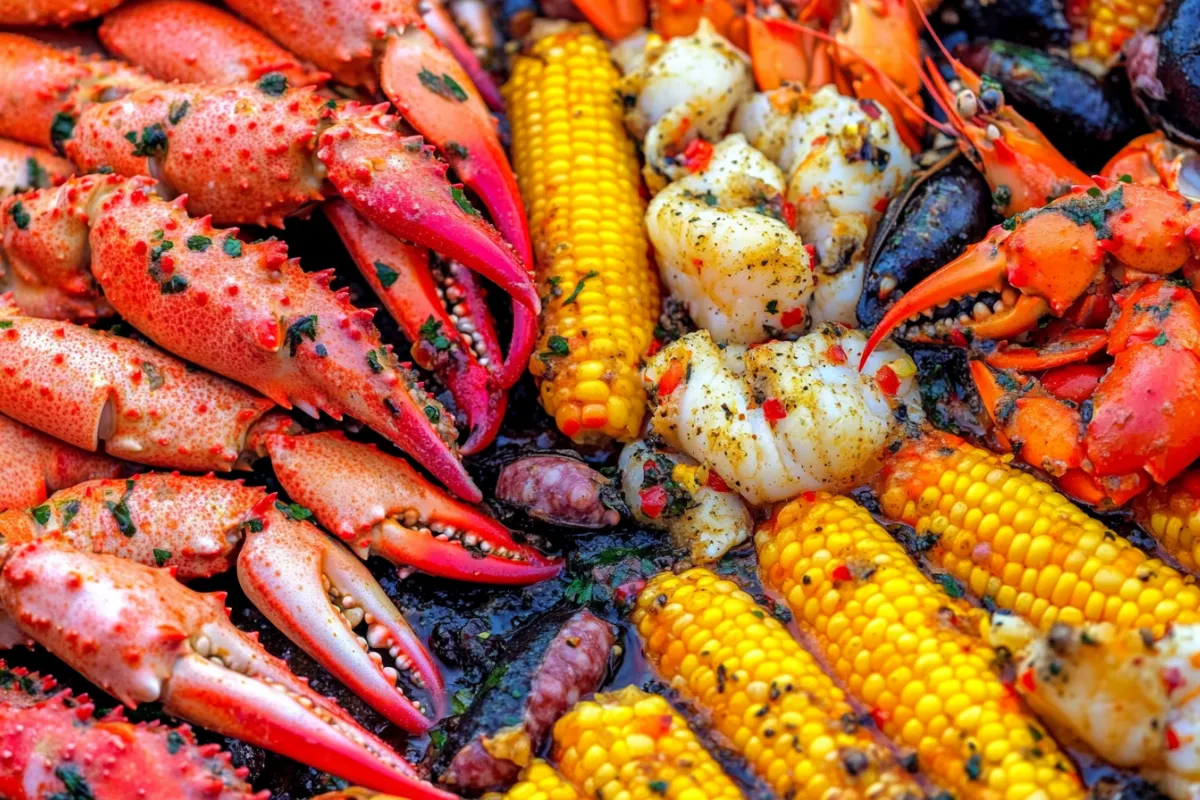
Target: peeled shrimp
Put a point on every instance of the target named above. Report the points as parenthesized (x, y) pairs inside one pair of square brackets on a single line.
[(699, 514), (784, 417), (844, 160), (724, 250), (682, 90)]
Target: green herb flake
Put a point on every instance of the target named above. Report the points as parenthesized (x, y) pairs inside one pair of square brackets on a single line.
[(1126, 178), (198, 244), (1093, 192), (174, 742), (431, 332), (38, 177), (373, 362), (161, 556), (178, 111), (232, 247), (579, 590), (293, 511), (1160, 340), (75, 785), (460, 701), (456, 149), (68, 512), (952, 586), (772, 306), (387, 276), (20, 215), (120, 512), (254, 525), (974, 766), (437, 739), (558, 345), (579, 287), (433, 415), (153, 143), (62, 130), (298, 331), (5, 324), (658, 787), (173, 285), (273, 83), (41, 514), (442, 85), (462, 202)]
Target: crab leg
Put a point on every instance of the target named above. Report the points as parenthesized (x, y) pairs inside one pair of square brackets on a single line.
[(86, 387), (457, 345), (143, 637), (196, 525), (35, 465), (380, 506)]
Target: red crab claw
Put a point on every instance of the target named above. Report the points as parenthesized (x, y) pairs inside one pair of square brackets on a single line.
[(399, 184), (248, 312), (458, 344), (381, 506), (317, 593), (446, 30), (143, 637), (35, 465), (434, 94)]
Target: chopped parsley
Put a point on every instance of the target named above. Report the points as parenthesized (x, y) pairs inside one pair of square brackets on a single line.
[(41, 514), (178, 111), (198, 244), (442, 85), (62, 130), (174, 285), (161, 556), (373, 362), (74, 784), (305, 327), (293, 511), (462, 202), (433, 414), (948, 582), (772, 306), (120, 511), (273, 83), (431, 331), (153, 143), (232, 247), (1160, 340), (579, 287), (460, 701), (456, 149), (20, 215), (68, 510), (387, 276)]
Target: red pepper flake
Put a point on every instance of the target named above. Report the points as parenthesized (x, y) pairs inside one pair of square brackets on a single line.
[(809, 497), (773, 409), (820, 140), (869, 108), (887, 380), (958, 338), (716, 482), (881, 204), (1028, 682), (812, 253), (836, 354), (671, 378), (655, 346), (841, 573), (697, 155), (791, 317), (654, 500), (880, 717), (789, 214), (1173, 742), (1172, 679)]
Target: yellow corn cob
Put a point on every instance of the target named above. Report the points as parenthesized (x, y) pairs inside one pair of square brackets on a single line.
[(539, 781), (908, 651), (578, 173), (1104, 25), (632, 745), (765, 694), (1171, 514), (1011, 538)]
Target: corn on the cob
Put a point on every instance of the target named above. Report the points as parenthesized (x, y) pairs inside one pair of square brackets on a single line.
[(1011, 538), (539, 781), (578, 173), (765, 694), (909, 651), (1171, 514), (632, 745), (1102, 26)]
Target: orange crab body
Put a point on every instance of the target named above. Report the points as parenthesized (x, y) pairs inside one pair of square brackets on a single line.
[(1105, 396)]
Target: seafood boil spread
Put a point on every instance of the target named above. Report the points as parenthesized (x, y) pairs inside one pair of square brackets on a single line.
[(617, 399)]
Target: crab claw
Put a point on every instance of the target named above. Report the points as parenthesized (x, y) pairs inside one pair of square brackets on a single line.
[(982, 268), (143, 637), (446, 30), (281, 568), (445, 316), (381, 506), (435, 95), (399, 184)]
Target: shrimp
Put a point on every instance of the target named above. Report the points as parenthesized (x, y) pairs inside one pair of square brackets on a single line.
[(1133, 700), (683, 91), (668, 490), (725, 250), (784, 417), (844, 160)]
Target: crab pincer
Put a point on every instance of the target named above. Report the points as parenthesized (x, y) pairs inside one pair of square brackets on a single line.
[(380, 506), (443, 313), (309, 586), (143, 637)]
